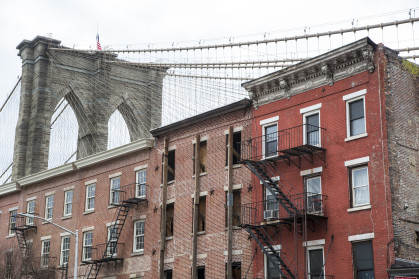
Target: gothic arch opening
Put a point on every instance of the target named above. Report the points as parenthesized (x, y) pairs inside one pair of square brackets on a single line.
[(63, 137), (118, 133)]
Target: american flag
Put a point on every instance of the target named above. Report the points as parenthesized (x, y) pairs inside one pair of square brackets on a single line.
[(98, 44)]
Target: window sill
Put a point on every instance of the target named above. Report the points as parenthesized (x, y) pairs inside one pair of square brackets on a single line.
[(359, 208), (235, 166), (201, 174), (10, 236), (169, 238), (199, 233), (88, 212), (356, 137), (138, 253), (234, 228), (168, 183), (66, 217), (45, 222), (111, 206)]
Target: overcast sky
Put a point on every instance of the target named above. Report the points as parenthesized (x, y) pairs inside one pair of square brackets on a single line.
[(137, 23)]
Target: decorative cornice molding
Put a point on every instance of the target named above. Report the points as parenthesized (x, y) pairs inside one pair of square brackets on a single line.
[(316, 72)]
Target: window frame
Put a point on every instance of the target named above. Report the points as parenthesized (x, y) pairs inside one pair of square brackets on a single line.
[(112, 229), (30, 210), (64, 251), (355, 271), (308, 114), (278, 249), (306, 179), (135, 241), (348, 118), (351, 175), (12, 221), (315, 247), (141, 184), (45, 254), (264, 127), (202, 144), (113, 192), (87, 246), (87, 207), (49, 207), (67, 204)]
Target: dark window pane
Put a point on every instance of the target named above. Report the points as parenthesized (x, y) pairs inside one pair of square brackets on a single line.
[(316, 263), (273, 269), (357, 126), (312, 122), (363, 260)]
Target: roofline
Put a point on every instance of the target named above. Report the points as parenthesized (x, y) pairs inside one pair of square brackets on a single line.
[(244, 103)]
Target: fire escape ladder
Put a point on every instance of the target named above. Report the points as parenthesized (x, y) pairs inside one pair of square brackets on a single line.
[(272, 187), (20, 232), (264, 242)]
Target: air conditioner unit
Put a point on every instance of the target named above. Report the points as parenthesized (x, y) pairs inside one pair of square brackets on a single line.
[(270, 214)]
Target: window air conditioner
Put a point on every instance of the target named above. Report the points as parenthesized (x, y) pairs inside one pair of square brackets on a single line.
[(270, 214)]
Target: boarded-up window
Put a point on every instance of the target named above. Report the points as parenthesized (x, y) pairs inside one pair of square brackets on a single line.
[(170, 213), (202, 157), (202, 213), (237, 137), (237, 270), (236, 208)]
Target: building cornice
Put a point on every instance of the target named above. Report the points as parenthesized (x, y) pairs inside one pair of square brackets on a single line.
[(77, 165), (312, 73)]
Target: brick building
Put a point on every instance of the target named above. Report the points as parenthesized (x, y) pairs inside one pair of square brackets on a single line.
[(334, 149), (322, 184)]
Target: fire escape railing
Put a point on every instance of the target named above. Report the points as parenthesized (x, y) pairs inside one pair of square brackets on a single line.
[(124, 198)]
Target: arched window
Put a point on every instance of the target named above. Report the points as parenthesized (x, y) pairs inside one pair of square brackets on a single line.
[(118, 133), (63, 139)]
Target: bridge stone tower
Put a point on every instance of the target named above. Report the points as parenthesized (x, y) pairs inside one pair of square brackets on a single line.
[(95, 84)]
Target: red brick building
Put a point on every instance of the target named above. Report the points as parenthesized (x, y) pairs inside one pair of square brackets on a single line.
[(331, 167)]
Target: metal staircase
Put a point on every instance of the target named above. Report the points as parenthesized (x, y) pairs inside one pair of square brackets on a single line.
[(105, 253), (262, 238), (21, 229)]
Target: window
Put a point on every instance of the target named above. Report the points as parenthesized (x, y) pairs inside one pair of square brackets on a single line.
[(30, 209), (12, 221), (272, 265), (68, 203), (201, 272), (202, 213), (49, 204), (45, 253), (141, 183), (65, 250), (363, 260), (314, 194), (87, 245), (237, 270), (312, 129), (115, 187), (236, 208), (168, 274), (360, 186), (270, 140), (202, 157), (237, 138), (90, 197), (170, 210), (139, 236), (112, 240), (356, 117), (171, 165), (315, 263), (271, 206)]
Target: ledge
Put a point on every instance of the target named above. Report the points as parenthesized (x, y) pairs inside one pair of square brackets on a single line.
[(88, 212), (357, 137), (136, 254), (9, 188), (66, 217), (10, 236), (359, 208)]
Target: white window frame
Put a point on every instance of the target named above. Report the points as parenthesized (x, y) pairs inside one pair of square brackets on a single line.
[(64, 250), (68, 204), (87, 246), (109, 229), (142, 184), (112, 190), (305, 115), (49, 207), (350, 98), (135, 242), (12, 216), (353, 205), (45, 254), (264, 126), (265, 259), (316, 247), (88, 207), (306, 178), (30, 209)]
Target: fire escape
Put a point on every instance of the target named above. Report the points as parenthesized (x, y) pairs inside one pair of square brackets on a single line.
[(23, 227), (285, 206), (131, 195)]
